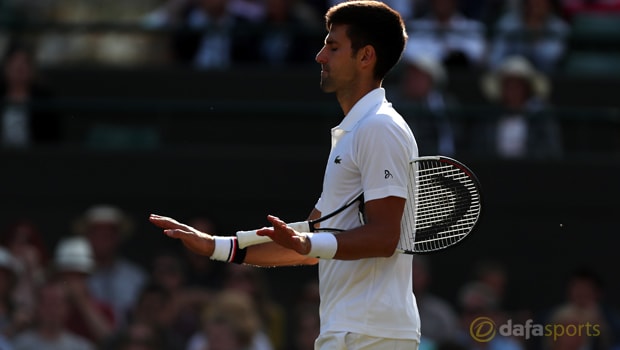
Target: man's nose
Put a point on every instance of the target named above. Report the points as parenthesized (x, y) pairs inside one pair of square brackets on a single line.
[(320, 57)]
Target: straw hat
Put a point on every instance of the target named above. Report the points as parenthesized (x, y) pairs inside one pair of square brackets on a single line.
[(74, 254), (515, 66), (104, 214), (427, 64)]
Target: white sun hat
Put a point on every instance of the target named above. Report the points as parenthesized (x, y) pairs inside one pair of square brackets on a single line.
[(515, 66), (104, 213), (74, 254)]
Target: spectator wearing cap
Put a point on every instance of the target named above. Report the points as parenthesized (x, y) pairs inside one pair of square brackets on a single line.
[(115, 279), (423, 91), (88, 317), (519, 124)]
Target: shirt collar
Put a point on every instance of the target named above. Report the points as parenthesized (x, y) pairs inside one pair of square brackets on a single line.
[(361, 108)]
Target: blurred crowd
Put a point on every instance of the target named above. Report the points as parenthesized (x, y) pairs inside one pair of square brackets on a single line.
[(517, 47), (214, 34), (82, 292)]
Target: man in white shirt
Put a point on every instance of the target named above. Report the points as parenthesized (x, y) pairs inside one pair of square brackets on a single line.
[(365, 287)]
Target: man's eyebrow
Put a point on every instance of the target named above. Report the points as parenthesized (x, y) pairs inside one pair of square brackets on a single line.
[(330, 41)]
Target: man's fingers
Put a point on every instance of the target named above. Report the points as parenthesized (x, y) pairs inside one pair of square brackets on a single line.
[(265, 231), (176, 233), (276, 222), (165, 222)]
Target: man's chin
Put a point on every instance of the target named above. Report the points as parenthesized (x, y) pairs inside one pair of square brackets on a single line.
[(327, 88)]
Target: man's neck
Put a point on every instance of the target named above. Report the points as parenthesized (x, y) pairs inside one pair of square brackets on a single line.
[(348, 99)]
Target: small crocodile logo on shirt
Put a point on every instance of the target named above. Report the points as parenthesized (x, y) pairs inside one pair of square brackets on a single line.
[(337, 160)]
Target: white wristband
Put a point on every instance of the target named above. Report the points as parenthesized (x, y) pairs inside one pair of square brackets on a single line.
[(223, 248), (322, 245)]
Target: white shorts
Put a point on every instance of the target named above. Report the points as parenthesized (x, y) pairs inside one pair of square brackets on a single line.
[(354, 341)]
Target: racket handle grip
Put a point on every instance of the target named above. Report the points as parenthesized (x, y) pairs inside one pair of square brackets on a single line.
[(250, 238)]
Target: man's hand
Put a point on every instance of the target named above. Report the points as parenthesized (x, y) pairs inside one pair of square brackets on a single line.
[(286, 236), (198, 242)]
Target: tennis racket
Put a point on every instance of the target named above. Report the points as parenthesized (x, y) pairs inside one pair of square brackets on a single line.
[(442, 208)]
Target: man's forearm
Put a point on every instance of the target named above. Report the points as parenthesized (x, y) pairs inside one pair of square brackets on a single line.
[(272, 254)]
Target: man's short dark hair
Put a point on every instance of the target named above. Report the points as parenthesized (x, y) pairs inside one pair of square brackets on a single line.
[(372, 23)]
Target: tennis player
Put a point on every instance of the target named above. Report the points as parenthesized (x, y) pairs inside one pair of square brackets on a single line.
[(365, 287)]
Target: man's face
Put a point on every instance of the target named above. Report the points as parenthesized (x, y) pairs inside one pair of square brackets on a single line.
[(338, 64), (18, 69), (104, 238), (515, 91), (417, 84)]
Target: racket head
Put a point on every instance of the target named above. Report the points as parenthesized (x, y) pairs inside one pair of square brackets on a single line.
[(446, 205)]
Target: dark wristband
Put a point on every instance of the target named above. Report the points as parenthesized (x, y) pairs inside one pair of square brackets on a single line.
[(238, 254)]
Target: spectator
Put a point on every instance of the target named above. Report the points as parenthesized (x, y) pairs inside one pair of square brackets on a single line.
[(88, 317), (201, 272), (103, 45), (211, 37), (485, 11), (585, 303), (25, 119), (304, 314), (5, 343), (439, 320), (141, 336), (9, 272), (115, 279), (448, 36), (181, 314), (478, 300), (231, 322), (247, 279), (566, 316), (519, 124), (423, 89), (145, 317), (167, 15), (25, 242), (306, 326), (50, 332), (533, 31), (251, 10), (570, 8), (492, 274), (286, 38)]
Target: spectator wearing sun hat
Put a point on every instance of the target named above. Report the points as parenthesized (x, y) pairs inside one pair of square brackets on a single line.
[(519, 123), (89, 317), (114, 279), (423, 89)]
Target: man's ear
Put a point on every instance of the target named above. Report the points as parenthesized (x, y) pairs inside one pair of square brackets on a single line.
[(367, 55)]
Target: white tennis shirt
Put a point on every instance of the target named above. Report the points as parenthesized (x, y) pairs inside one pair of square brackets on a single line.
[(371, 150)]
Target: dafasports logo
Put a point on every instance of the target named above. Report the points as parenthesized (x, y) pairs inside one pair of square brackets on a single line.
[(484, 329)]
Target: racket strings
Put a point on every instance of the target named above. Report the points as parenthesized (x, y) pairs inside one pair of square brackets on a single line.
[(446, 206)]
